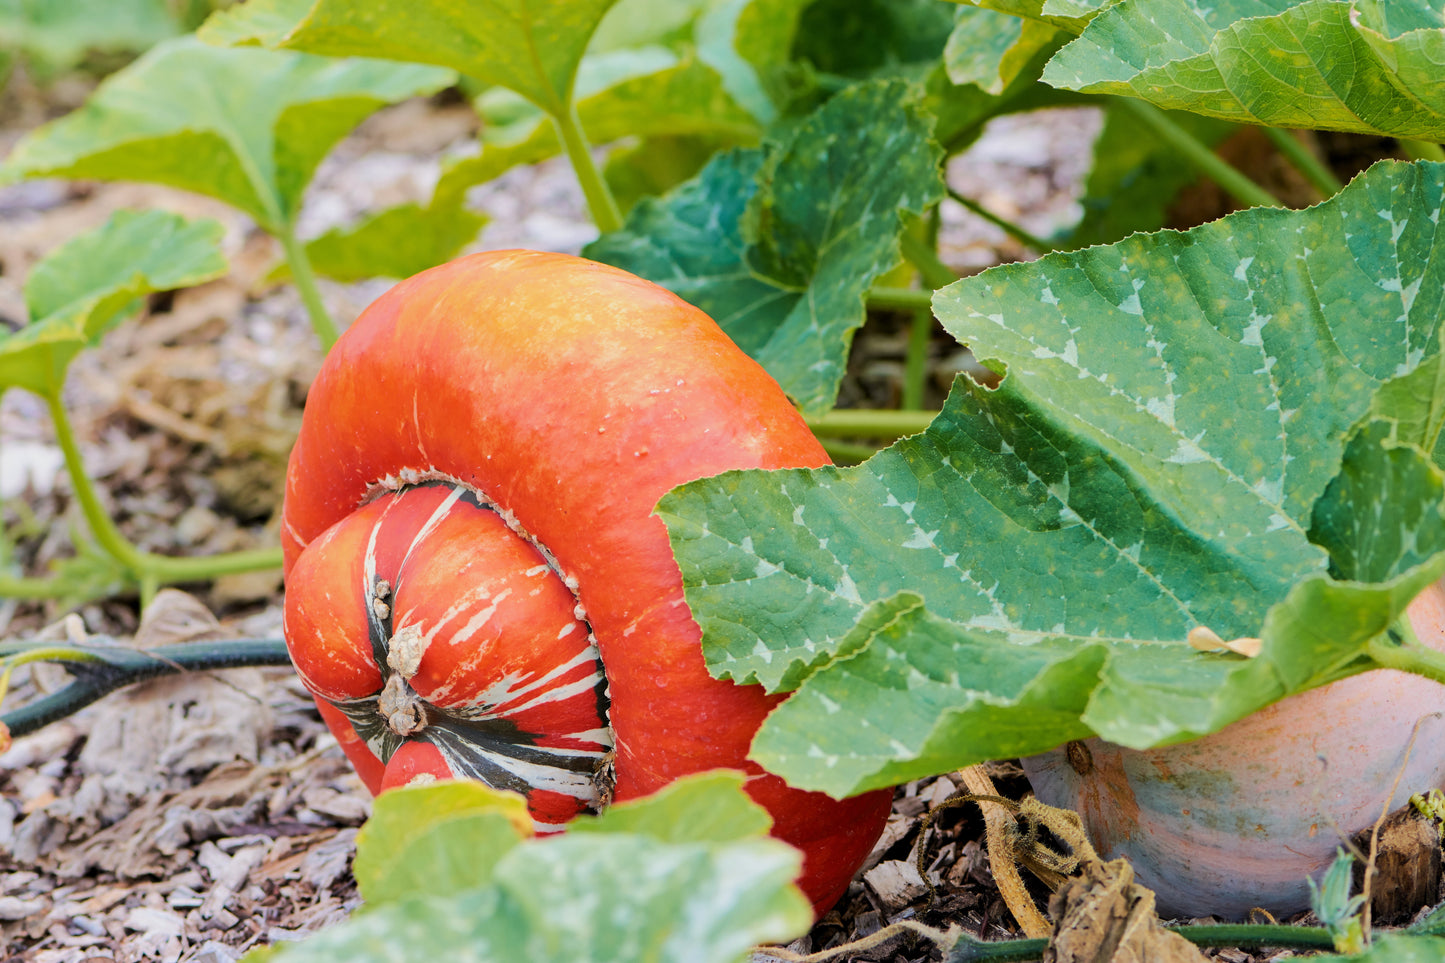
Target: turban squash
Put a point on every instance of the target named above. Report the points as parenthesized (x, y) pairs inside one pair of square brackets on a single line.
[(476, 583)]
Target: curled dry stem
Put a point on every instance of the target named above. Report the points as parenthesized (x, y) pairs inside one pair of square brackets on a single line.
[(1001, 860)]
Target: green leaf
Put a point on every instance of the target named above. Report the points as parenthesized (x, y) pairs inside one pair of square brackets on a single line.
[(1173, 408), (436, 840), (530, 46), (603, 895), (990, 49), (1136, 176), (781, 248), (57, 34), (396, 243), (656, 165), (1367, 66), (1381, 516), (263, 23), (85, 286), (877, 39), (709, 807), (631, 93), (243, 125), (749, 43), (1069, 15)]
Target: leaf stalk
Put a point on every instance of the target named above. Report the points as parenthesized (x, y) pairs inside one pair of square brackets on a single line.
[(1013, 230), (600, 202), (305, 277), (1207, 162), (1305, 161), (150, 569)]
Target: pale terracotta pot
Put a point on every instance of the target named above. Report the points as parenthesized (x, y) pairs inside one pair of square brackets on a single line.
[(1240, 819)]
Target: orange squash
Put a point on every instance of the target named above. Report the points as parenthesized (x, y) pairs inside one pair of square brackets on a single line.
[(472, 555)]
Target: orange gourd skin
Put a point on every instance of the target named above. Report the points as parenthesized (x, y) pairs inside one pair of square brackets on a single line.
[(569, 396)]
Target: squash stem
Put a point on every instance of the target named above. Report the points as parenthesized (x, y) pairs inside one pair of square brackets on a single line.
[(870, 423), (922, 256), (305, 278), (1244, 935), (600, 202), (1008, 227), (1208, 163), (1305, 161), (884, 298), (1423, 150), (915, 364), (20, 587), (1407, 657), (150, 569), (100, 666)]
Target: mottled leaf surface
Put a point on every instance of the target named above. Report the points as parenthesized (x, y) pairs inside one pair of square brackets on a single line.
[(989, 49), (530, 46), (1369, 66), (780, 246), (618, 891), (247, 126), (1380, 516), (1174, 407), (83, 287)]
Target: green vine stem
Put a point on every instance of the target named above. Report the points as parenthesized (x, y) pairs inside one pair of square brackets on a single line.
[(870, 423), (305, 278), (600, 202), (884, 298), (1407, 657), (150, 569), (915, 365), (922, 256), (100, 667), (847, 452), (1230, 178), (1305, 161), (1243, 936), (20, 587), (1008, 227), (1423, 150)]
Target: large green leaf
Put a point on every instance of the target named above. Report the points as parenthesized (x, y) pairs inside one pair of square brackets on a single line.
[(247, 126), (620, 890), (780, 247), (1174, 406), (640, 92), (56, 34), (530, 46), (83, 287), (1370, 66)]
